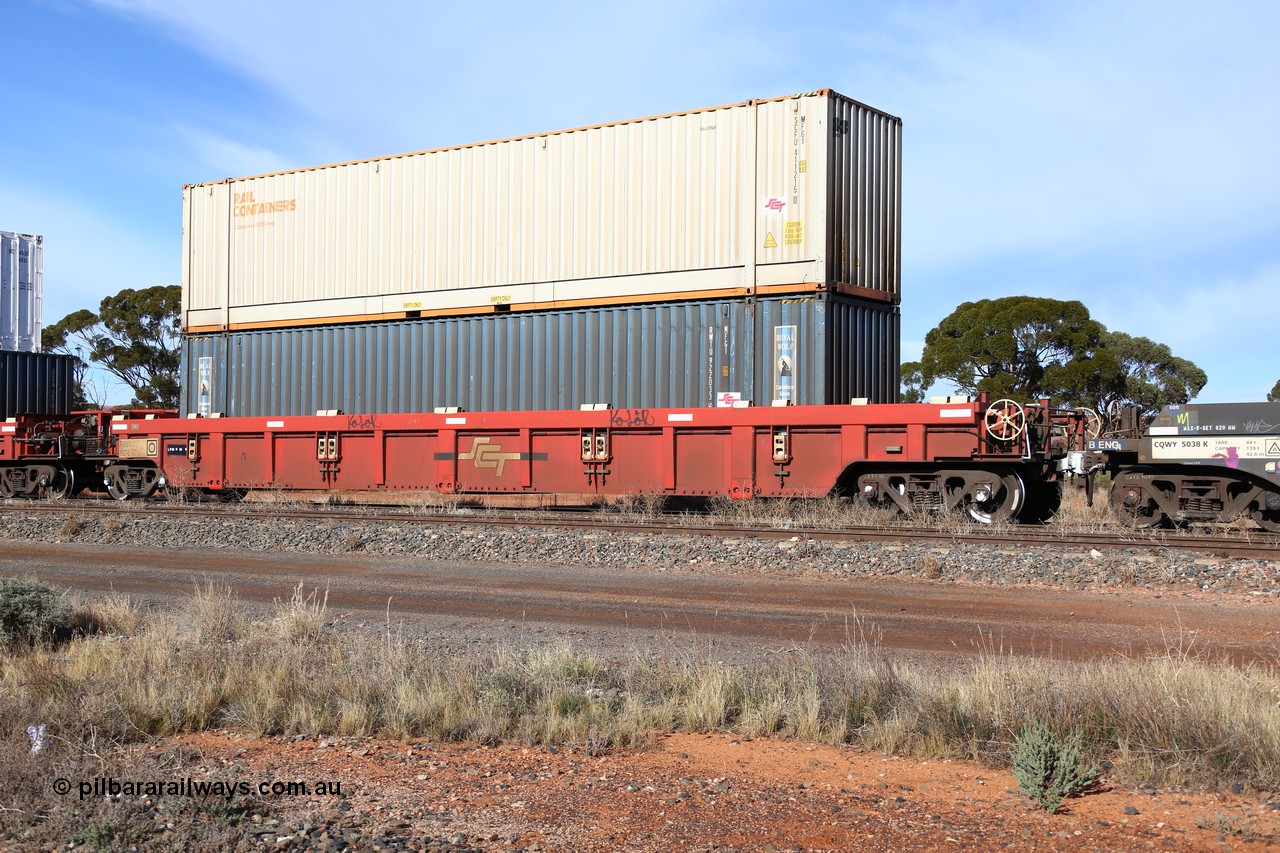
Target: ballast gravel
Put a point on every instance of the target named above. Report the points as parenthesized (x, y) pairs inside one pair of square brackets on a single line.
[(1159, 569)]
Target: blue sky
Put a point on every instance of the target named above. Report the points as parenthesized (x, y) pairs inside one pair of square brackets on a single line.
[(1123, 154)]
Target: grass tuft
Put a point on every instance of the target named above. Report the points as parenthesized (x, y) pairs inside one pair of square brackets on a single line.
[(1177, 717)]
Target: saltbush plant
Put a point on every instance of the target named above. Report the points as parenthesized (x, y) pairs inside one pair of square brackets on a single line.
[(1050, 768), (31, 612)]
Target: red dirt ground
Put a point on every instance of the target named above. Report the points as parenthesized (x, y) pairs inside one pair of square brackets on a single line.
[(714, 792)]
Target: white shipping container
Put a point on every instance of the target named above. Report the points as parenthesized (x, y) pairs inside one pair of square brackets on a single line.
[(21, 290), (794, 194)]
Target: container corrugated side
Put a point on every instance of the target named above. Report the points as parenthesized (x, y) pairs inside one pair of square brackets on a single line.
[(864, 354), (21, 291), (731, 200), (35, 383), (865, 159), (671, 354)]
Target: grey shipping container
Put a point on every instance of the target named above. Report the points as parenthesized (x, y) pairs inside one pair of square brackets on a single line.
[(815, 349), (21, 283), (35, 383)]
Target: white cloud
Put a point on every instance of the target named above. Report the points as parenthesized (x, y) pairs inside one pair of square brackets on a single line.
[(228, 157), (429, 75)]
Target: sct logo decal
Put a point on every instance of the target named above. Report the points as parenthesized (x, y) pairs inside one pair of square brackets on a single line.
[(775, 205), (487, 455)]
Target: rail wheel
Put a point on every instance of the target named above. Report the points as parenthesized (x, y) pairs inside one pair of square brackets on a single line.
[(1131, 501), (1268, 517), (181, 494), (1267, 520), (1043, 500), (116, 489), (995, 496), (62, 485), (6, 490)]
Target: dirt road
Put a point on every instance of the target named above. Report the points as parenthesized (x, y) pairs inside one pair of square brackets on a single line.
[(916, 618)]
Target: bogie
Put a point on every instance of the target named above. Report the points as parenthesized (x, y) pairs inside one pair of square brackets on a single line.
[(131, 481), (985, 495)]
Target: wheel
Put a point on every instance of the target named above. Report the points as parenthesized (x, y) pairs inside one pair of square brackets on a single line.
[(1005, 420), (63, 485), (181, 494), (1132, 503), (6, 490), (1043, 500), (1267, 520), (115, 487), (997, 499), (1092, 422), (1267, 515)]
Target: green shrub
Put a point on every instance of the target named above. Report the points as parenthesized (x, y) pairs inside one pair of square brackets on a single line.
[(31, 611), (1048, 768)]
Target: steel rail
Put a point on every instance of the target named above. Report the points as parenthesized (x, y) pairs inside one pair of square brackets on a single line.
[(1251, 545)]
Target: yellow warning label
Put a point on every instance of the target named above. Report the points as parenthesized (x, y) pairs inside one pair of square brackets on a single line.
[(794, 235), (769, 242), (804, 165)]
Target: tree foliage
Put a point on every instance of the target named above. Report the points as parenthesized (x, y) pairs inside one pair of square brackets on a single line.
[(1027, 347), (1151, 376), (134, 336), (913, 382), (1022, 347), (1274, 395)]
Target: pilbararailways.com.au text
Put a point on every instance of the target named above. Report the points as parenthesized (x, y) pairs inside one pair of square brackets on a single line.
[(105, 786)]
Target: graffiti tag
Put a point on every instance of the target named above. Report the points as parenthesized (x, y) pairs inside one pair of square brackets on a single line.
[(630, 418)]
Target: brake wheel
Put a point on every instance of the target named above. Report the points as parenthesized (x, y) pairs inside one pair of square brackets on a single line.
[(1006, 420)]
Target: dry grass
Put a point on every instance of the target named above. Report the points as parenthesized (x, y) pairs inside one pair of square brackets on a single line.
[(1077, 516), (73, 526), (638, 508), (1174, 718), (809, 512)]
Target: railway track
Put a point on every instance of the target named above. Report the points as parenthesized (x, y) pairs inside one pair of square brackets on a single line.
[(464, 597), (1241, 544)]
